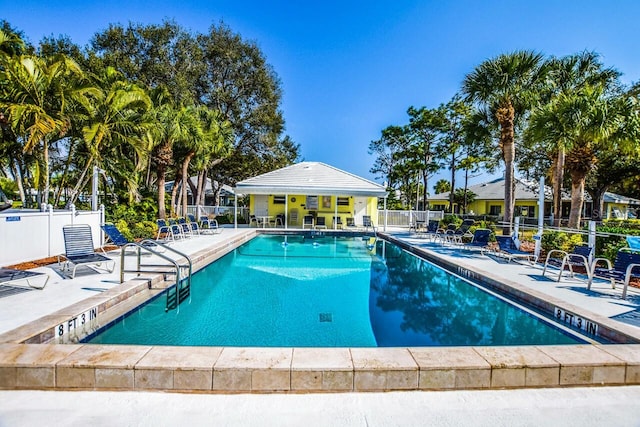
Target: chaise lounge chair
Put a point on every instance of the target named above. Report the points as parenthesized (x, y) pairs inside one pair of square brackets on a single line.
[(207, 226), (79, 250), (11, 277), (580, 257), (118, 239), (480, 239), (509, 250), (622, 270)]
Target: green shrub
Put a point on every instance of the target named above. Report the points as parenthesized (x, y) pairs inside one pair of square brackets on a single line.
[(560, 240), (450, 219)]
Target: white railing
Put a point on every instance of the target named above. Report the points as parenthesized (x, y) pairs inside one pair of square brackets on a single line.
[(406, 218), (28, 235)]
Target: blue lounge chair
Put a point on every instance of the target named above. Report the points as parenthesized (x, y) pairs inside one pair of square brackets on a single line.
[(479, 240), (118, 239), (79, 250), (509, 250), (458, 234), (625, 267), (165, 230), (209, 226), (634, 243), (12, 277), (580, 257)]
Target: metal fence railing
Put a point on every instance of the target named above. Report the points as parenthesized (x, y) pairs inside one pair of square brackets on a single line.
[(398, 218)]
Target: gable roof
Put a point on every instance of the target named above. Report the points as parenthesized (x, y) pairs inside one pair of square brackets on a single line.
[(313, 178), (528, 190)]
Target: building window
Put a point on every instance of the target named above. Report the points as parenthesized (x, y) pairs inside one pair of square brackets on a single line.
[(279, 200), (495, 210), (343, 201), (312, 203)]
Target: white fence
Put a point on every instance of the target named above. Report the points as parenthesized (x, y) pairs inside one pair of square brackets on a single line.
[(28, 235), (406, 218)]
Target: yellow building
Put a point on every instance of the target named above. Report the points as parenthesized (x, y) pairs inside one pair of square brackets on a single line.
[(318, 192), (489, 200)]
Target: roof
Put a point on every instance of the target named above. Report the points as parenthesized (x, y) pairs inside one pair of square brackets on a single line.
[(494, 190), (208, 189), (527, 190), (313, 178)]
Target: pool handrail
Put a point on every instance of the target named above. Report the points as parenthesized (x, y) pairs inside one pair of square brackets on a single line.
[(141, 246)]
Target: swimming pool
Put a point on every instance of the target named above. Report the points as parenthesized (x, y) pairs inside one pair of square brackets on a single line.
[(321, 291)]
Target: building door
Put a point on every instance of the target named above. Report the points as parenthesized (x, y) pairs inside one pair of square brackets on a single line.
[(261, 205), (360, 209)]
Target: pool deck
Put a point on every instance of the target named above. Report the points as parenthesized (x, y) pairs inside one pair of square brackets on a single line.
[(33, 317), (523, 379)]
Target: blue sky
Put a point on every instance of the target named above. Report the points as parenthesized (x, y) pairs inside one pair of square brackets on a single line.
[(351, 68)]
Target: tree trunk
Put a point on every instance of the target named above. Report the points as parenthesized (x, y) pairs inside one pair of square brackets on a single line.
[(597, 195), (186, 181), (558, 178), (162, 210), (17, 176), (577, 198), (505, 116), (174, 193), (453, 181), (45, 160)]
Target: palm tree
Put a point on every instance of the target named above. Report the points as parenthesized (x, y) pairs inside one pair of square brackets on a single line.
[(507, 87), (583, 123), (567, 75), (171, 124), (113, 122), (37, 94)]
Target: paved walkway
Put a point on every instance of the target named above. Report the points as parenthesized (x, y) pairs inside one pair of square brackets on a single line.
[(579, 407)]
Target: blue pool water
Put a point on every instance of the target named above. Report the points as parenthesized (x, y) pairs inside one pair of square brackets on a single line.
[(318, 291)]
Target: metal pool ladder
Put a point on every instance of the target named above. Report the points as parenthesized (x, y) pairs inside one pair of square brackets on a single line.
[(182, 271)]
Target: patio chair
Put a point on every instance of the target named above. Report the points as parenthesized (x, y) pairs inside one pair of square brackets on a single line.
[(12, 277), (193, 223), (432, 229), (278, 221), (580, 256), (119, 240), (480, 239), (634, 243), (461, 232), (209, 226), (321, 222), (165, 231), (79, 250), (307, 221), (187, 228), (509, 250), (337, 222), (622, 270), (178, 230), (252, 220)]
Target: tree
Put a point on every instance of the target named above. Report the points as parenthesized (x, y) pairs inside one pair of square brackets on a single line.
[(114, 122), (565, 76), (507, 86), (442, 186), (585, 123), (36, 97)]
